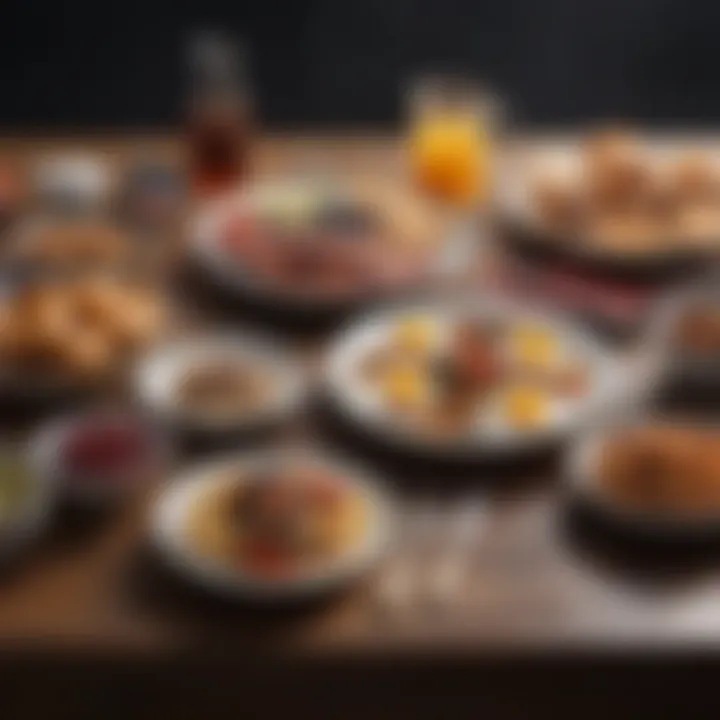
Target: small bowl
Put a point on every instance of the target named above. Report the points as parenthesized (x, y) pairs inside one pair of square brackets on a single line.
[(26, 523), (159, 373), (221, 578), (682, 369), (72, 183), (584, 485), (95, 486)]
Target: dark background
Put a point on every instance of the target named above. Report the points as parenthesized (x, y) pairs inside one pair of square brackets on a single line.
[(74, 63)]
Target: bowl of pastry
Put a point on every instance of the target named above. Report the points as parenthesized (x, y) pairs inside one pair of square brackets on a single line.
[(655, 477), (63, 334), (616, 203)]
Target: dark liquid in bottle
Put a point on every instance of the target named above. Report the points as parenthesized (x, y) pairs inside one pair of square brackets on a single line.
[(219, 149)]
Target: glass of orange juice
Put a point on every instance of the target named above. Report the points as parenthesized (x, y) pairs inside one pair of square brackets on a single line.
[(452, 122)]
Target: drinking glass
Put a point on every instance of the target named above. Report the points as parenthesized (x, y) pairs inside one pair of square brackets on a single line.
[(452, 124)]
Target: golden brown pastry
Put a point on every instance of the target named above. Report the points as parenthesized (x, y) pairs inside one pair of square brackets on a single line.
[(80, 328), (558, 204), (694, 179), (626, 232), (76, 243), (663, 469), (699, 224), (617, 173)]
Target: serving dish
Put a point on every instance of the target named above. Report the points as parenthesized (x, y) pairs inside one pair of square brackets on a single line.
[(195, 533), (312, 246), (220, 383), (61, 335), (649, 452), (615, 205), (545, 377)]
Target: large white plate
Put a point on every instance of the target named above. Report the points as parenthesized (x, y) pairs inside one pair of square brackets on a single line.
[(171, 509), (233, 278), (613, 384)]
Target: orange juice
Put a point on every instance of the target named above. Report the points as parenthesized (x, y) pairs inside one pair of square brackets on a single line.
[(450, 156)]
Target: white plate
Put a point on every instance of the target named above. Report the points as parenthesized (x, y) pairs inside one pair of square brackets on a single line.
[(233, 278), (168, 529), (158, 374), (206, 251), (582, 478), (611, 382)]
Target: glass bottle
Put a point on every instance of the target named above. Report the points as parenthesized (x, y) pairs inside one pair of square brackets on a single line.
[(219, 117)]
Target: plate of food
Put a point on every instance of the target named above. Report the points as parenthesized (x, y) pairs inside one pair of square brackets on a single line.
[(471, 378), (220, 383), (313, 245), (616, 204), (652, 476), (272, 526), (67, 334)]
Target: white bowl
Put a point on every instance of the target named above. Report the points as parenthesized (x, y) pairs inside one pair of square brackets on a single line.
[(158, 374), (170, 512), (611, 383)]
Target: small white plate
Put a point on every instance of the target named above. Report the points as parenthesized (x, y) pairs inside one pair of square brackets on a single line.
[(158, 375), (171, 509), (610, 381)]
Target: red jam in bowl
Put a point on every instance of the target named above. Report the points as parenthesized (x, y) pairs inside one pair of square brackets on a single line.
[(104, 449)]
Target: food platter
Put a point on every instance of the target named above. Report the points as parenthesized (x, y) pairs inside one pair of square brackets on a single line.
[(603, 381), (662, 225), (62, 335), (173, 533), (306, 246)]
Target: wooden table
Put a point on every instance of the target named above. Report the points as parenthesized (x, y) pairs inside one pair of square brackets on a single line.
[(93, 606)]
